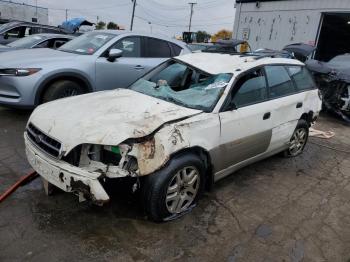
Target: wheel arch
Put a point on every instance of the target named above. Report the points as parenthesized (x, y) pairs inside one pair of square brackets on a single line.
[(76, 77), (308, 117), (204, 155)]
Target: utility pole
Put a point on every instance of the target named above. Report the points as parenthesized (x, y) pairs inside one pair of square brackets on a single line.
[(189, 26), (150, 23), (133, 14), (66, 15), (36, 10)]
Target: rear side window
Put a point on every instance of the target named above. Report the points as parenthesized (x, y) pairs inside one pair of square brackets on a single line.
[(279, 81), (157, 48), (176, 49), (251, 89), (301, 77)]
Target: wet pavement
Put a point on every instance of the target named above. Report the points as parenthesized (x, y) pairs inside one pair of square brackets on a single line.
[(279, 209)]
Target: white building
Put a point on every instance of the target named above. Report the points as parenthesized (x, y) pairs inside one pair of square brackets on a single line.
[(276, 23), (23, 12)]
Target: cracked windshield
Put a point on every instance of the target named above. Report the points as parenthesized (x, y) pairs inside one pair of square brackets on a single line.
[(183, 85)]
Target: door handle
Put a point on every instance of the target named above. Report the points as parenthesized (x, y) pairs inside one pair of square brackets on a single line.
[(267, 115), (299, 105), (139, 67)]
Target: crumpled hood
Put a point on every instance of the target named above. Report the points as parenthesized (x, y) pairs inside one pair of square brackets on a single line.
[(34, 56), (107, 117)]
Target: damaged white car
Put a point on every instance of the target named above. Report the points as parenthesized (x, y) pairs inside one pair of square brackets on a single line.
[(189, 122)]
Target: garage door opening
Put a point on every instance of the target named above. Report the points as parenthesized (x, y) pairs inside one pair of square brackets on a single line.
[(334, 36)]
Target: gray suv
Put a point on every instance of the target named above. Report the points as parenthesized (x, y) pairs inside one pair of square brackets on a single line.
[(98, 60)]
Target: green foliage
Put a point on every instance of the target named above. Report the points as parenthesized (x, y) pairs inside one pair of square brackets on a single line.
[(202, 36), (112, 25), (100, 25)]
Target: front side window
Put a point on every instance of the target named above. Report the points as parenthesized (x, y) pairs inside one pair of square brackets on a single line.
[(279, 81), (251, 89), (131, 46), (301, 77), (87, 44), (56, 43), (45, 44), (157, 48), (15, 32), (183, 85)]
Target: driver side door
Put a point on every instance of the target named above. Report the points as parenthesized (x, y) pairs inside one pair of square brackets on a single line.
[(123, 71), (246, 130)]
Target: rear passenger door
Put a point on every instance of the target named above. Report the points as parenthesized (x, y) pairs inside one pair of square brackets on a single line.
[(245, 131), (286, 104), (156, 51)]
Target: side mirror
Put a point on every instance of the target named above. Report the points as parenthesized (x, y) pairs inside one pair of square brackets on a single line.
[(114, 54), (6, 36)]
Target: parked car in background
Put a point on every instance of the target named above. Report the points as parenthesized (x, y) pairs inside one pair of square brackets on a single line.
[(53, 41), (98, 60), (12, 31), (198, 47), (191, 121), (221, 46), (333, 79)]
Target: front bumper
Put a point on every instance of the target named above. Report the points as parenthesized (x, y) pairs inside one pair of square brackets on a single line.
[(67, 177), (18, 91)]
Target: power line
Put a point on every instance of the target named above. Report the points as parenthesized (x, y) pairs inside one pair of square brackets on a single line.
[(87, 9), (160, 23)]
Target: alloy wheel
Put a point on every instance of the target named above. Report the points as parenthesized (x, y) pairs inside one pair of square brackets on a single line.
[(69, 92), (298, 141), (182, 189)]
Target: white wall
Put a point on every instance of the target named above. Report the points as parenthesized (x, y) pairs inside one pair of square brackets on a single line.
[(278, 23), (23, 12)]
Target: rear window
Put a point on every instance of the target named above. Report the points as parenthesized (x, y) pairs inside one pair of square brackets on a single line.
[(279, 81), (301, 77)]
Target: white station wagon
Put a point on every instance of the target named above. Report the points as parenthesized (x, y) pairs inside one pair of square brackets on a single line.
[(188, 123)]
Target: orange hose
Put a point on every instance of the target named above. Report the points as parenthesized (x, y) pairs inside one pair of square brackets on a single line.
[(21, 181)]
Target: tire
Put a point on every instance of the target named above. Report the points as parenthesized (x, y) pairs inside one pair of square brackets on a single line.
[(166, 183), (298, 140), (62, 89)]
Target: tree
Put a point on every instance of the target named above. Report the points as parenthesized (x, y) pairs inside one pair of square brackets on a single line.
[(112, 25), (100, 25), (202, 36), (222, 34)]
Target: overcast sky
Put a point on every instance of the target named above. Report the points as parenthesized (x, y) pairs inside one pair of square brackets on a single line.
[(169, 17)]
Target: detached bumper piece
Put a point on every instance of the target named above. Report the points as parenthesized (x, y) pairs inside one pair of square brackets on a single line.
[(65, 176)]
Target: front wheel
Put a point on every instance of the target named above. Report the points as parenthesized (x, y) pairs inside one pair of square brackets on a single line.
[(175, 189), (62, 89), (299, 139)]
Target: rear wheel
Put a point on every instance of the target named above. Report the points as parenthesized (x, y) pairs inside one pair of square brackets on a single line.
[(175, 189), (298, 140), (62, 89)]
